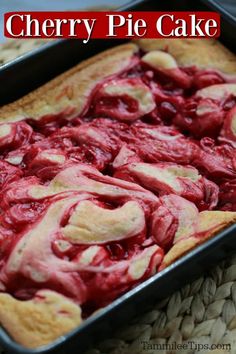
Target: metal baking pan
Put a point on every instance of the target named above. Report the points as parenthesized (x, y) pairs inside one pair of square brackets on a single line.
[(33, 69)]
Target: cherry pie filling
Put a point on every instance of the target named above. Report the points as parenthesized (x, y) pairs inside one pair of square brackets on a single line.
[(90, 206)]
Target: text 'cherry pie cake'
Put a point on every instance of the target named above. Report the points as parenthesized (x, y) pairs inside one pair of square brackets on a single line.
[(108, 174)]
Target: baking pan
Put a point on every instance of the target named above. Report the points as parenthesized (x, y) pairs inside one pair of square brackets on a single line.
[(44, 63)]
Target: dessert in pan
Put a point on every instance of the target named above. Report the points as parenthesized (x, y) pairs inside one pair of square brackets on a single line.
[(109, 173)]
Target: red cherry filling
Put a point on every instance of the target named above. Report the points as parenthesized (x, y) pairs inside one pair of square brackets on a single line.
[(207, 78), (123, 106), (89, 206), (124, 99)]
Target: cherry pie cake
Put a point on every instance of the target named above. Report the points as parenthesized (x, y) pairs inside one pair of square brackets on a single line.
[(109, 173)]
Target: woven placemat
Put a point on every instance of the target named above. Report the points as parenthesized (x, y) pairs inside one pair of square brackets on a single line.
[(199, 318)]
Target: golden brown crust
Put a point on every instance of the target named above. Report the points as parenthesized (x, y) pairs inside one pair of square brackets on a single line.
[(210, 224), (68, 93), (204, 53), (39, 321)]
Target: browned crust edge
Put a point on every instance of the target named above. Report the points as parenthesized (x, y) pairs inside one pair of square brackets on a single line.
[(185, 245), (204, 53), (68, 93)]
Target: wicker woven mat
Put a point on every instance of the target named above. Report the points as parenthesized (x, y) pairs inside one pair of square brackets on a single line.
[(199, 318)]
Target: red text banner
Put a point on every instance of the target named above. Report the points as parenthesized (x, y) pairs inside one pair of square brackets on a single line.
[(87, 25)]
